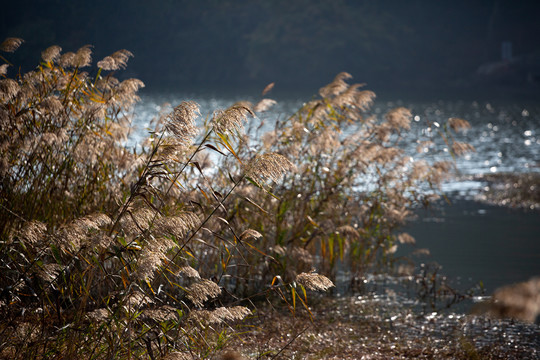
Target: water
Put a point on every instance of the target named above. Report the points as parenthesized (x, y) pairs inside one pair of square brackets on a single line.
[(473, 242)]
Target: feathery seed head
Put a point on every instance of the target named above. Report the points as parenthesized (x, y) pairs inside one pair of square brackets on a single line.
[(219, 315), (9, 88), (83, 57), (189, 272), (264, 105), (33, 232), (11, 44), (268, 88), (231, 119), (201, 291), (399, 118), (176, 355), (181, 122), (250, 233), (337, 86), (405, 238), (52, 53), (461, 148), (98, 315), (177, 225), (313, 281), (458, 124), (118, 60), (3, 69), (270, 165), (348, 231), (67, 59)]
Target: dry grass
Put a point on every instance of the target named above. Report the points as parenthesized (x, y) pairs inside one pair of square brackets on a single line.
[(111, 253)]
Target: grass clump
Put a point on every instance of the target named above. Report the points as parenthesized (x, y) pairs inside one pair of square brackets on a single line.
[(108, 252)]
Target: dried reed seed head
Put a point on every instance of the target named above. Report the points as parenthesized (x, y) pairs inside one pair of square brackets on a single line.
[(118, 60), (181, 122), (98, 315), (148, 263), (52, 105), (131, 86), (11, 44), (391, 250), (458, 124), (268, 88), (348, 232), (201, 291), (461, 148), (67, 59), (176, 355), (161, 314), (136, 300), (399, 118), (219, 315), (189, 272), (264, 105), (337, 86), (327, 142), (3, 69), (9, 88), (421, 252), (518, 301), (270, 165), (133, 222), (405, 238), (250, 233), (177, 225), (313, 281), (83, 57), (49, 272), (347, 97), (231, 119), (52, 53), (364, 99), (33, 232)]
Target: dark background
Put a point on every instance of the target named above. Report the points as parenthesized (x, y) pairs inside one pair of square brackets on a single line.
[(417, 48)]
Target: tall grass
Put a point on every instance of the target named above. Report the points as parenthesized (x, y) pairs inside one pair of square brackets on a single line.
[(111, 253)]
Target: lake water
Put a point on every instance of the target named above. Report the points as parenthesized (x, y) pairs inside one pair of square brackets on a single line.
[(472, 241)]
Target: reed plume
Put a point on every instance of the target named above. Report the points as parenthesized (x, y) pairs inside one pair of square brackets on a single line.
[(11, 44)]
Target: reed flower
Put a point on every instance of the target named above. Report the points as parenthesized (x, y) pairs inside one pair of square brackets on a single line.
[(3, 69), (270, 165), (201, 291), (52, 53), (461, 148), (116, 61), (250, 233), (458, 124), (219, 315), (405, 238), (313, 281), (399, 118), (9, 88), (181, 122), (11, 44), (264, 105), (337, 86), (189, 272), (176, 355), (231, 119)]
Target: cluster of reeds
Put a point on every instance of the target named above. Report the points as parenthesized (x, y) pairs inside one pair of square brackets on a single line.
[(111, 253)]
